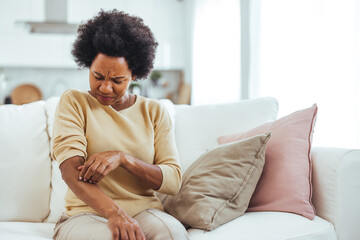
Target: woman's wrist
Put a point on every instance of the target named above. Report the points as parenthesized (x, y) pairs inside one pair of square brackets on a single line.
[(121, 159), (115, 211)]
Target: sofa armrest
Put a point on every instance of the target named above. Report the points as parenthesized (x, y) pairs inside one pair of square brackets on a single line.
[(336, 189)]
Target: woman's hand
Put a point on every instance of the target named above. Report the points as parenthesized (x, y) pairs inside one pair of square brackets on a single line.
[(99, 165), (123, 226)]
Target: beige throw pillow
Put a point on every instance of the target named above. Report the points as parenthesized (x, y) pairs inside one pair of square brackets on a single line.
[(218, 186)]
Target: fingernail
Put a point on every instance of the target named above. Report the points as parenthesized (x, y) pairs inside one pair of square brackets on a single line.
[(80, 178), (90, 181), (84, 180)]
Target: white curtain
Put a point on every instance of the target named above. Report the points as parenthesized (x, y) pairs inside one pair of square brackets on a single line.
[(216, 52), (305, 52)]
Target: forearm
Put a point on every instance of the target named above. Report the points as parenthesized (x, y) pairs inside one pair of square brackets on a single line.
[(149, 173), (91, 194)]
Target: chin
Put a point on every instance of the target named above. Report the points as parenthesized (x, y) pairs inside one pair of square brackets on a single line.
[(104, 101)]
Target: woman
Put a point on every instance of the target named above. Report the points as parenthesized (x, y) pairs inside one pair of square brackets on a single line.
[(115, 149)]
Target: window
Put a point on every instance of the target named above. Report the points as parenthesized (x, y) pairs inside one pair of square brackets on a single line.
[(308, 51)]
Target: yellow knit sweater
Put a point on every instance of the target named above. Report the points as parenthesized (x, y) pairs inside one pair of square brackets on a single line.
[(83, 126)]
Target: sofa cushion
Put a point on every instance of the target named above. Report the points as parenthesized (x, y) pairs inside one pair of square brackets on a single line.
[(25, 163), (269, 226), (58, 191), (285, 184), (336, 182), (58, 186), (50, 108), (218, 186), (26, 231), (198, 127), (273, 225)]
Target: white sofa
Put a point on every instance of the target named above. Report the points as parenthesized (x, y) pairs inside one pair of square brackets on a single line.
[(32, 191)]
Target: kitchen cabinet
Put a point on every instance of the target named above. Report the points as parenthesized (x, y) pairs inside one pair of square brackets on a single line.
[(36, 50)]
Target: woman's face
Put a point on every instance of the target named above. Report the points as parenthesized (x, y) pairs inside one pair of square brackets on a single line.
[(110, 78)]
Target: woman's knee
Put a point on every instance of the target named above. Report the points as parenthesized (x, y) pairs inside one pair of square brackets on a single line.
[(83, 227), (158, 225)]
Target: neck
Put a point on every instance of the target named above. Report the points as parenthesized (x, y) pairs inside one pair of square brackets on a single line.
[(124, 102)]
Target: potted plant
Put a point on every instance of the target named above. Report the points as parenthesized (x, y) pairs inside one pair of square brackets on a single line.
[(155, 76), (135, 87)]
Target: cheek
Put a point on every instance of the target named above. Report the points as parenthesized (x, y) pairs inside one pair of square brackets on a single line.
[(93, 83), (121, 90)]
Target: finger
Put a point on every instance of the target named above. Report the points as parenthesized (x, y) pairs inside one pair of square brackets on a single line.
[(91, 170), (85, 167), (115, 233), (107, 170), (114, 230), (123, 233), (79, 168), (99, 173), (131, 233), (142, 235), (139, 234)]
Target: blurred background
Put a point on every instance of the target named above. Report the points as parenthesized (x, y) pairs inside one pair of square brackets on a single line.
[(210, 51), (36, 40)]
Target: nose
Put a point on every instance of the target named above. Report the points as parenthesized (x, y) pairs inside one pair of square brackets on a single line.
[(106, 87)]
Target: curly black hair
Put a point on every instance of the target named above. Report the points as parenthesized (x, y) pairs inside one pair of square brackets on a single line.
[(115, 33)]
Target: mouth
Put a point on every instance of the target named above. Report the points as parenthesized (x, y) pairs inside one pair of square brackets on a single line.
[(104, 98)]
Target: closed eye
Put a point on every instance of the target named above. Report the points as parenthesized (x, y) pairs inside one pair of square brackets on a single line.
[(117, 82), (98, 75), (99, 78)]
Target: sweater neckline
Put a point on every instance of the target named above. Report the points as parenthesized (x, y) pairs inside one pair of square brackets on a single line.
[(109, 106)]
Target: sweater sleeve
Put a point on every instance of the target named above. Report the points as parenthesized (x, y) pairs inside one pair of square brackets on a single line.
[(69, 129), (166, 155)]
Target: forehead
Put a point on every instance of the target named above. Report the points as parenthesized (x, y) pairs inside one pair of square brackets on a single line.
[(107, 64)]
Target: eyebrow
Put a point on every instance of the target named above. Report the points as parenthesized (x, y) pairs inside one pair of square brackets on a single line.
[(119, 77)]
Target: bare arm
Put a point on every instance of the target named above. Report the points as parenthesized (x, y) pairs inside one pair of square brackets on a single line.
[(148, 173), (100, 164), (119, 222)]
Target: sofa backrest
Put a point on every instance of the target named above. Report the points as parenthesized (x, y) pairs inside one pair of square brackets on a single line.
[(59, 187), (198, 127), (36, 189), (25, 164)]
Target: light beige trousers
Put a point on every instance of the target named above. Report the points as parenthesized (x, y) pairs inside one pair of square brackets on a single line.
[(155, 224)]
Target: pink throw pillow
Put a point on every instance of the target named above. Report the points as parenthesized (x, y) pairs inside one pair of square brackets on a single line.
[(285, 184)]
